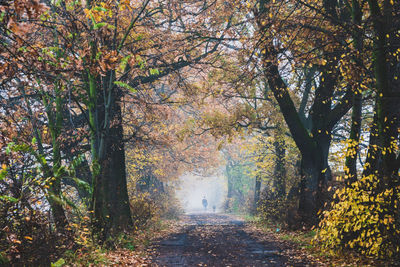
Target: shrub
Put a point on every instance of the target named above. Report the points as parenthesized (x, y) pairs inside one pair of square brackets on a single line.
[(169, 206), (143, 209), (272, 207), (278, 210), (28, 239), (362, 217)]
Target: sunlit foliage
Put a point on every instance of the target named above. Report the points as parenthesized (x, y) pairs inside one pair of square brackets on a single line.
[(363, 218)]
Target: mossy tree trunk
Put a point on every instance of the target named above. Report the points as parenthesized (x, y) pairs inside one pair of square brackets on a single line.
[(53, 174), (110, 201), (56, 172)]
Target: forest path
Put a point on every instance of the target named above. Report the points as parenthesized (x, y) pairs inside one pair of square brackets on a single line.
[(210, 239)]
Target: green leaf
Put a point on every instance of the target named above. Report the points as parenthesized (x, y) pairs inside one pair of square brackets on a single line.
[(99, 8), (93, 20), (141, 62), (3, 13), (139, 37), (9, 147), (98, 54), (3, 174), (8, 198), (57, 3), (154, 71), (126, 86), (111, 27), (3, 258), (56, 199), (99, 25), (77, 161), (124, 62), (58, 263), (59, 172), (82, 184)]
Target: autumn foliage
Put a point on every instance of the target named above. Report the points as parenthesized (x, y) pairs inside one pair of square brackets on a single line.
[(105, 104)]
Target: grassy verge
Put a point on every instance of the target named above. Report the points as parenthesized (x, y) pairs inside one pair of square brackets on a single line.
[(302, 241)]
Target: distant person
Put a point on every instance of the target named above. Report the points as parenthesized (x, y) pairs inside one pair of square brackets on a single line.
[(214, 208), (204, 202)]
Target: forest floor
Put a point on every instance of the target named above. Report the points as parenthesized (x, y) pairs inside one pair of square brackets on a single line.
[(209, 239)]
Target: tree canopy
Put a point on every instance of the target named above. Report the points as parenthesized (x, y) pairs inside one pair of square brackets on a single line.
[(105, 104)]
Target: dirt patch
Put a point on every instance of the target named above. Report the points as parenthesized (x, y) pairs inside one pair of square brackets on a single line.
[(220, 240)]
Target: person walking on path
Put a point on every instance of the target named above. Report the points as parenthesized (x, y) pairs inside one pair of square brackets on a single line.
[(204, 202)]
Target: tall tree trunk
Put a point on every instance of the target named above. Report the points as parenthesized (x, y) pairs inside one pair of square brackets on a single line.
[(371, 161), (308, 189), (313, 171), (55, 124), (280, 169), (387, 108), (55, 121), (228, 169), (257, 191), (355, 131), (313, 142), (387, 104), (110, 201)]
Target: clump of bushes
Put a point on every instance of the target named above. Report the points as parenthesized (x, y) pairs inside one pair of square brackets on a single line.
[(278, 209), (143, 209), (363, 217), (239, 203), (147, 207), (27, 231), (27, 236), (272, 207), (169, 206)]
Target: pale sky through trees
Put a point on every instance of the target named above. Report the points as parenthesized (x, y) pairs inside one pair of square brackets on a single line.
[(192, 189)]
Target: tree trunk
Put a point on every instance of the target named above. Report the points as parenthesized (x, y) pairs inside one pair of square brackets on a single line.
[(56, 172), (371, 162), (355, 131), (280, 169), (228, 169), (111, 195), (387, 105), (313, 142), (110, 201), (308, 190), (315, 172), (257, 191), (310, 200)]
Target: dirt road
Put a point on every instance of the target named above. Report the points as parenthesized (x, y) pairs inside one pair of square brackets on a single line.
[(220, 240)]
